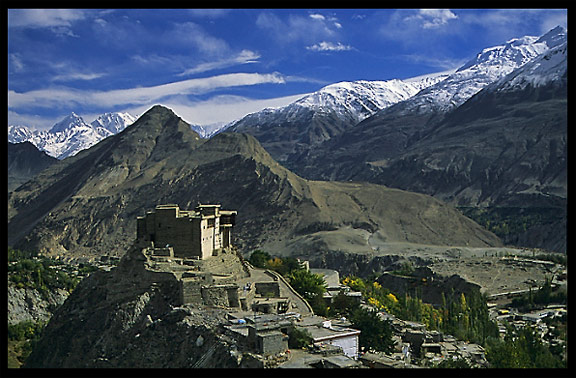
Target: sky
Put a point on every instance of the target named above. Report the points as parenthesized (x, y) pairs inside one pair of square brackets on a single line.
[(217, 65)]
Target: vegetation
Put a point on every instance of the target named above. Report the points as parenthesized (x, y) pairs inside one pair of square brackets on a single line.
[(27, 270), (299, 338), (375, 333), (505, 221), (16, 255), (22, 337), (521, 348), (284, 266), (465, 317), (545, 295), (311, 286), (40, 274)]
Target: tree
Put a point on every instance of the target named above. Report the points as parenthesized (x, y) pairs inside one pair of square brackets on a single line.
[(299, 338), (342, 305), (521, 348), (375, 333), (259, 258), (311, 286)]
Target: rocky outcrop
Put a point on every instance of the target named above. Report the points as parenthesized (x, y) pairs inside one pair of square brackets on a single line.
[(132, 317), (29, 304)]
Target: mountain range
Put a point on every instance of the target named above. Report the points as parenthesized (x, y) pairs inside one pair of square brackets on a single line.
[(24, 162), (72, 134), (490, 135), (322, 115), (87, 205)]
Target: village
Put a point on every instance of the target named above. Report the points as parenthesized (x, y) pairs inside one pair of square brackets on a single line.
[(265, 314)]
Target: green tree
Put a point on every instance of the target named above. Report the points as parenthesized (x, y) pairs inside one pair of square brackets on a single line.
[(299, 338), (259, 258), (375, 333), (521, 348), (342, 305), (311, 286)]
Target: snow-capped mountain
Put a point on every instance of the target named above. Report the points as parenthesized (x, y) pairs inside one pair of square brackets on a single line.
[(209, 130), (72, 134), (352, 101), (321, 115), (489, 65), (550, 67), (20, 133), (358, 99), (114, 122), (71, 121)]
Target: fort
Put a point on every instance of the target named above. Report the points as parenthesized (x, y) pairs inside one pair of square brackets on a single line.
[(195, 247), (198, 233)]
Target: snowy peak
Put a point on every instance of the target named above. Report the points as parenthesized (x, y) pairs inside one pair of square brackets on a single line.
[(69, 122), (554, 37), (350, 100), (71, 135), (359, 98), (490, 65), (114, 122), (19, 134), (552, 66), (514, 53)]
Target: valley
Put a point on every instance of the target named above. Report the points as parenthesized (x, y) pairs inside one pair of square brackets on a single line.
[(461, 177)]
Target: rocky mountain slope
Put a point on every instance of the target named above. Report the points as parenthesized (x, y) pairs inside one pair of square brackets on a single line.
[(24, 162), (505, 146), (95, 197), (29, 304), (386, 134), (72, 134), (127, 318)]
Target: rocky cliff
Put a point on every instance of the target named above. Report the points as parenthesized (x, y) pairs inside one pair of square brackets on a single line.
[(29, 304), (131, 317)]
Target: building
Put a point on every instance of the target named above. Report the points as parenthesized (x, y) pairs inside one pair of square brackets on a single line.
[(333, 285), (327, 332), (199, 233)]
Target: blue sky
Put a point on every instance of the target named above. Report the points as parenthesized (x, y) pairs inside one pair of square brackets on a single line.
[(217, 65)]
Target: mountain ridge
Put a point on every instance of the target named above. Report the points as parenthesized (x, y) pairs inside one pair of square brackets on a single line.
[(96, 196), (72, 134)]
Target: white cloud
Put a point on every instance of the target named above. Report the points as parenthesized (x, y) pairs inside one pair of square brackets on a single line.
[(244, 57), (42, 18), (329, 46), (16, 62), (63, 97), (221, 109), (296, 28), (73, 76), (432, 18), (439, 62), (59, 21)]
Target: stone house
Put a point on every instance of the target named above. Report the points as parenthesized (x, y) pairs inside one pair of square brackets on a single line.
[(200, 233), (330, 332)]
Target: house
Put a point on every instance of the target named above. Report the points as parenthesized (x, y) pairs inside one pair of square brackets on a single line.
[(334, 287), (329, 332)]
